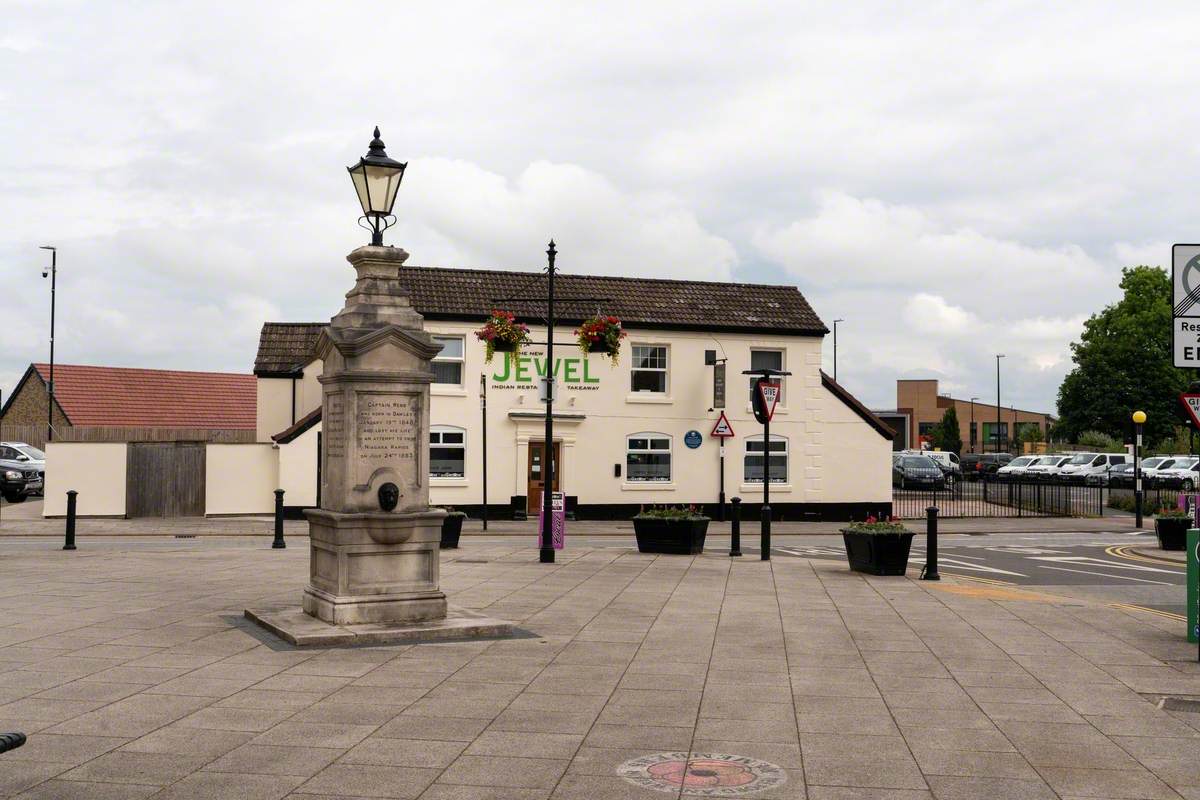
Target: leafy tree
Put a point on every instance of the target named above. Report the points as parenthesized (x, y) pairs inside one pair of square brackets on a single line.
[(946, 434), (1123, 362), (1100, 442)]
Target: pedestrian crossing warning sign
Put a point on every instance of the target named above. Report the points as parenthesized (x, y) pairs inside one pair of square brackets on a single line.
[(722, 430)]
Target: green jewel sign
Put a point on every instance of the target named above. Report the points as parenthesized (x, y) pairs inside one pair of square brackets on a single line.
[(527, 369)]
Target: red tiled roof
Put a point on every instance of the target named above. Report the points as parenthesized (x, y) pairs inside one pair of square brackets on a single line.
[(153, 398)]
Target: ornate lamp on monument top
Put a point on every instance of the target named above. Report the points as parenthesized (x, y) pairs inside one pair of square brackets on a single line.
[(377, 180)]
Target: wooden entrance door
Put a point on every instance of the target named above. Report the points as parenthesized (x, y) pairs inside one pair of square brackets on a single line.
[(537, 482), (165, 479)]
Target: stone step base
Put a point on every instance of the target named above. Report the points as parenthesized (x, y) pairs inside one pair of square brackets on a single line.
[(291, 624)]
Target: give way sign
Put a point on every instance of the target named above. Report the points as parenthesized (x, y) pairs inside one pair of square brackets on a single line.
[(769, 391), (1192, 403)]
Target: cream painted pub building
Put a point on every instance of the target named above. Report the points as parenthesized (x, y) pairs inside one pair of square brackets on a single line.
[(628, 435)]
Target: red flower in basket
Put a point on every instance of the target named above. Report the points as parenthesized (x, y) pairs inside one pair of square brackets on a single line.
[(601, 334)]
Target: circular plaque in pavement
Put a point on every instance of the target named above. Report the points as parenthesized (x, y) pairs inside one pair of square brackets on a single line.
[(702, 774)]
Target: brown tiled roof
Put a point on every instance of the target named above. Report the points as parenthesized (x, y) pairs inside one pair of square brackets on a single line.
[(153, 398), (285, 347), (470, 294), (868, 416)]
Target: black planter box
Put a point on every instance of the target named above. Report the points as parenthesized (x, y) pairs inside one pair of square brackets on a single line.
[(1172, 533), (877, 553), (451, 530), (675, 536)]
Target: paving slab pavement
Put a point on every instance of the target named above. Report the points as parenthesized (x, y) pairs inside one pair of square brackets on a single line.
[(135, 675)]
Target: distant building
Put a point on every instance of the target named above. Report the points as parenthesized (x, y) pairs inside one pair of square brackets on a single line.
[(123, 404), (919, 406)]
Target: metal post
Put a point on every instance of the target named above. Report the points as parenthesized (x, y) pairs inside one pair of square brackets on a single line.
[(930, 573), (71, 498), (483, 411), (735, 529), (278, 544), (546, 554), (765, 534), (721, 493), (1137, 475), (50, 388), (998, 357)]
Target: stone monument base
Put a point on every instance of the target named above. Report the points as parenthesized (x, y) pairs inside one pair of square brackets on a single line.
[(296, 627), (374, 567)]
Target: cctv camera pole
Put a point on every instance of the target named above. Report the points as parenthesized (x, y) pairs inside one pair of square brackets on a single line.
[(50, 392)]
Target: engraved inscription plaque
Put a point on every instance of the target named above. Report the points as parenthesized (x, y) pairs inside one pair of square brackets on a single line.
[(334, 426), (387, 429)]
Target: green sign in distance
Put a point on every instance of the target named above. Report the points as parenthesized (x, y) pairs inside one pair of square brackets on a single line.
[(1193, 582)]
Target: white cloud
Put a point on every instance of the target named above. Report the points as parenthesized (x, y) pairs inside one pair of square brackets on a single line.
[(929, 313)]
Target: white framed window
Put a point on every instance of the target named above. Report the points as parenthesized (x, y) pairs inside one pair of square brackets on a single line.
[(649, 370), (648, 458), (447, 452), (448, 364), (766, 359), (753, 460)]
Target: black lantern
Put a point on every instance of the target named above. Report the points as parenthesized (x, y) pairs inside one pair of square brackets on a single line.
[(377, 179)]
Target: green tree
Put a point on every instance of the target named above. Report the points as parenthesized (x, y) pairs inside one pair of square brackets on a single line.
[(946, 435), (1123, 362)]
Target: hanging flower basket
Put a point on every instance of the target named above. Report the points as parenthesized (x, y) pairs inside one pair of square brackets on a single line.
[(501, 333), (601, 335)]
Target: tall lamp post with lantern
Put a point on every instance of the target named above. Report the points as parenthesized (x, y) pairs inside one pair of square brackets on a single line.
[(1139, 419), (377, 179)]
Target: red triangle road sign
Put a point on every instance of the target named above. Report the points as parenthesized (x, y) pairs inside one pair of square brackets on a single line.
[(722, 430), (769, 391), (1192, 403)]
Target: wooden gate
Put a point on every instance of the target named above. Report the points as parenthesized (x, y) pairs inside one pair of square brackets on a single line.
[(165, 479)]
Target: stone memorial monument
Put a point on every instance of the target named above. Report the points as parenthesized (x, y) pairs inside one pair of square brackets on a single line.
[(374, 558)]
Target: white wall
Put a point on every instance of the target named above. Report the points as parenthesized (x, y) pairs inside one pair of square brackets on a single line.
[(298, 469), (96, 471), (274, 407), (240, 479)]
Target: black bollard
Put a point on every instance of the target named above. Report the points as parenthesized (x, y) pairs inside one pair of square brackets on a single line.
[(278, 544), (735, 529), (930, 572), (70, 543), (11, 741)]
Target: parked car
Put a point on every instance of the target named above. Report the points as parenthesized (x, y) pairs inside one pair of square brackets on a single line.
[(1122, 477), (19, 479), (29, 457), (1047, 467), (917, 472), (949, 462), (1150, 465), (979, 465), (1015, 469), (1181, 474), (1091, 467)]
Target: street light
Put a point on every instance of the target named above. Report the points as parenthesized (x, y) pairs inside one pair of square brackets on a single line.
[(998, 357), (377, 179), (835, 324), (973, 399), (1139, 417), (51, 273)]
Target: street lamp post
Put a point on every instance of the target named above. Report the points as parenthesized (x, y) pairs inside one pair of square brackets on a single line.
[(1139, 417), (377, 179), (973, 399), (998, 357), (835, 324), (52, 273)]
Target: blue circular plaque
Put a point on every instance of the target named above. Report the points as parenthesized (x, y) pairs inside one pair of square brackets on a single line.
[(693, 439)]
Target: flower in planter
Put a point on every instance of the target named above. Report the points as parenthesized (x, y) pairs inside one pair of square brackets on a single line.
[(601, 335), (502, 333), (670, 512), (873, 524)]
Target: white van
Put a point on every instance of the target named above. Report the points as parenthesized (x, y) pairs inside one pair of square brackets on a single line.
[(1016, 468), (1092, 467), (1047, 467), (1180, 473)]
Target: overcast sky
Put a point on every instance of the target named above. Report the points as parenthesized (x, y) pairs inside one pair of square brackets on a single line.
[(955, 181)]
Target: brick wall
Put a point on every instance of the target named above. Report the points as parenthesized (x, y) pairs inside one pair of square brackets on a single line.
[(28, 407)]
